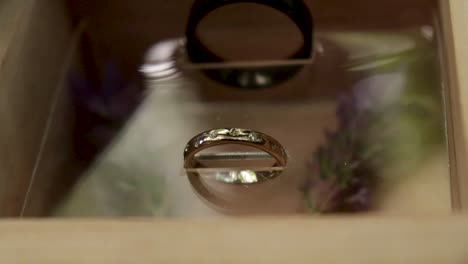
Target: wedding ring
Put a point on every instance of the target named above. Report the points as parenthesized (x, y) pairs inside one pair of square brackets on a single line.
[(225, 136), (239, 136)]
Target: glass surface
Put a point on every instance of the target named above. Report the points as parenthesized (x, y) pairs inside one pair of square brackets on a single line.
[(363, 124)]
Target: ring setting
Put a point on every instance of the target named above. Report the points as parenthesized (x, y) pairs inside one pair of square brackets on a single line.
[(244, 175), (240, 136)]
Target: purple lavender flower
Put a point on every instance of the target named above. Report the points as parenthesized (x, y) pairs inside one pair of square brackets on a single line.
[(341, 175), (101, 109)]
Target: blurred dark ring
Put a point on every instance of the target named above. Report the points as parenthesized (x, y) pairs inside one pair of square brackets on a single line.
[(256, 77)]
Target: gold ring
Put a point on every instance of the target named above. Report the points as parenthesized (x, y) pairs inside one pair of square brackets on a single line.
[(224, 136)]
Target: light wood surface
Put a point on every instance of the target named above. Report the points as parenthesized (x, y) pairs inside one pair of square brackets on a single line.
[(455, 45), (370, 240), (15, 158), (34, 40)]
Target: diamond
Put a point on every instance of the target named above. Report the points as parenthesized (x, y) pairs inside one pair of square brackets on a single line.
[(199, 141), (254, 136), (213, 134), (235, 132)]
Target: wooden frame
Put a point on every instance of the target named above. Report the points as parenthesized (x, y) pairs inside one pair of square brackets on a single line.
[(326, 240), (454, 24), (25, 47), (372, 239)]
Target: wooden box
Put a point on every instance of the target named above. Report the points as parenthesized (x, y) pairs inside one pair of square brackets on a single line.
[(35, 46)]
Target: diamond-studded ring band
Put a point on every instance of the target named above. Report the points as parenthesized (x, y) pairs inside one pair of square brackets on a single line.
[(238, 136)]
